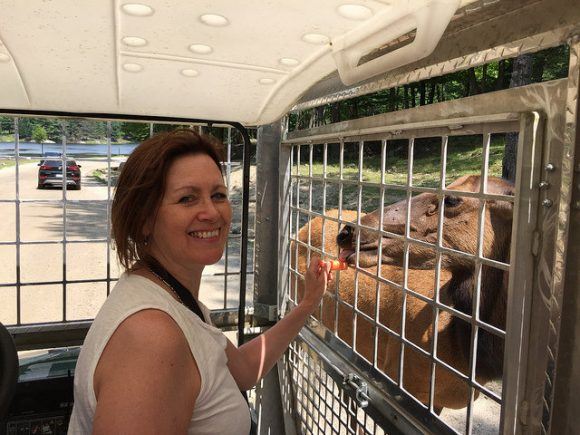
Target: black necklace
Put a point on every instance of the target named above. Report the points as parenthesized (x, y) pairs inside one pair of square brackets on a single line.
[(179, 290)]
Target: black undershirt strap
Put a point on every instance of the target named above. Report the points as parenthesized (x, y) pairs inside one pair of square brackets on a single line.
[(184, 294)]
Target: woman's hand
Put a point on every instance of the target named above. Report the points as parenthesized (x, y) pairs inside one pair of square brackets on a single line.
[(315, 279), (250, 362)]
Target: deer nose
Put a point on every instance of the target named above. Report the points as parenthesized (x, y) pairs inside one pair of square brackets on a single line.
[(345, 235)]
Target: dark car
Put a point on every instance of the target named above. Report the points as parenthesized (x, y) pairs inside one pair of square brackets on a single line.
[(50, 174)]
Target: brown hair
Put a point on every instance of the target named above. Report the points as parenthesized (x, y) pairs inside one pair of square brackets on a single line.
[(141, 186)]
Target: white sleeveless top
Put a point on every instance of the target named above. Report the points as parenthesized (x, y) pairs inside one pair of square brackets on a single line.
[(219, 409)]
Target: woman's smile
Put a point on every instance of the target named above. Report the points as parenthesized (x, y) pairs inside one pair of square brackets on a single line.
[(206, 235)]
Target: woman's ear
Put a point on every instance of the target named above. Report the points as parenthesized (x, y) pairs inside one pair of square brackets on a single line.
[(147, 228)]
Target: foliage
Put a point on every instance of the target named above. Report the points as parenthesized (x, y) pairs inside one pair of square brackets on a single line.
[(39, 134), (549, 64), (464, 157)]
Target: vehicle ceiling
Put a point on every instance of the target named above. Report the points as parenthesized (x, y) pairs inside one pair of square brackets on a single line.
[(96, 56)]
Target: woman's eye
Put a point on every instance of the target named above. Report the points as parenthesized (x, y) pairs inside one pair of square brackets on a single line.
[(220, 196), (186, 199)]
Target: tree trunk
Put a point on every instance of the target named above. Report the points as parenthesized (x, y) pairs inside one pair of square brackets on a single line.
[(472, 80), (499, 83), (406, 97), (431, 93), (335, 112), (353, 109), (483, 86), (413, 96), (521, 75), (392, 103)]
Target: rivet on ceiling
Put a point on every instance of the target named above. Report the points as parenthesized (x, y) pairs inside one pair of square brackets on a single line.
[(355, 12), (288, 61), (189, 72), (137, 9), (266, 81), (214, 20), (132, 67), (316, 38), (134, 41), (200, 48)]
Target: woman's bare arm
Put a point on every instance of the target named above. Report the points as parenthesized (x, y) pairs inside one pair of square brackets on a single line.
[(147, 380), (252, 361)]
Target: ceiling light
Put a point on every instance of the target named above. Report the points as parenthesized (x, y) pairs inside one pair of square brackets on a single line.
[(134, 41), (288, 61), (355, 12), (4, 57), (214, 20), (200, 48), (132, 67), (316, 38), (266, 81), (189, 72), (137, 9)]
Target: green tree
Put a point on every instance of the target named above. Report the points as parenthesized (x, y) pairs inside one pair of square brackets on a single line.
[(39, 134)]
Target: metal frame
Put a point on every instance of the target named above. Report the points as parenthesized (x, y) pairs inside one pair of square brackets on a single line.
[(492, 33), (544, 103), (66, 332)]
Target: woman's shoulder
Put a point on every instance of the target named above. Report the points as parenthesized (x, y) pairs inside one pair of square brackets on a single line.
[(151, 329)]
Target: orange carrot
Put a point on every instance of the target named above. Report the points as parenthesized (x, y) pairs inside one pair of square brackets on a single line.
[(335, 264)]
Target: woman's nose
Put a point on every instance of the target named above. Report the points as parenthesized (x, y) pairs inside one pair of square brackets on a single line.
[(209, 211)]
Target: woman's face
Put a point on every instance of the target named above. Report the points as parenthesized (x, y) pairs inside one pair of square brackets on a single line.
[(193, 220)]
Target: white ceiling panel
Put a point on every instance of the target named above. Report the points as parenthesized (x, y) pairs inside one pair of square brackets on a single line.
[(257, 57)]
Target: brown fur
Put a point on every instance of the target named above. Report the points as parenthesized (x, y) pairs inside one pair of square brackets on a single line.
[(456, 281)]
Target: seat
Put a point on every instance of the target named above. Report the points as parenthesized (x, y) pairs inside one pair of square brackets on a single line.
[(8, 370)]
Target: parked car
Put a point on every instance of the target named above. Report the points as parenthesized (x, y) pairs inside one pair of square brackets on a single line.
[(50, 174)]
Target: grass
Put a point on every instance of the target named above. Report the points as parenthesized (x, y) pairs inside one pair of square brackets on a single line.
[(464, 157), (9, 162)]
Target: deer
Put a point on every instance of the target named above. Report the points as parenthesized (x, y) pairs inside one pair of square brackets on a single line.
[(456, 288)]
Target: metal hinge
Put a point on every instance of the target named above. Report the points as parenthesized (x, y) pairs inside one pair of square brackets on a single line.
[(360, 387), (265, 311)]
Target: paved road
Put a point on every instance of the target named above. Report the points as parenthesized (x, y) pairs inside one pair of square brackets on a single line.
[(85, 219)]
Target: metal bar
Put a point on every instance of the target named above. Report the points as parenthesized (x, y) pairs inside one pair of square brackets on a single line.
[(64, 217), (564, 416), (417, 189), (521, 277), (538, 25), (244, 247), (267, 206), (17, 210), (384, 410), (450, 251), (120, 117), (72, 333), (437, 283), (394, 124), (228, 186), (109, 244)]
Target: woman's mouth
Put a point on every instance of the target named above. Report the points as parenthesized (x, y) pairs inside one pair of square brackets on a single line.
[(205, 235)]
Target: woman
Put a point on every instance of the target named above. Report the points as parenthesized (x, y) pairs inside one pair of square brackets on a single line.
[(149, 363)]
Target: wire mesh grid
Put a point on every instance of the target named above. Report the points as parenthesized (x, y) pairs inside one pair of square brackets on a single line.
[(322, 405), (55, 243), (429, 221)]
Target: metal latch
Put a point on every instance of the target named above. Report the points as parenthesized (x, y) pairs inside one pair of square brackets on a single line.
[(360, 387), (265, 311)]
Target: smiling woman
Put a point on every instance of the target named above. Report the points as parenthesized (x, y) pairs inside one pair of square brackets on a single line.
[(152, 361)]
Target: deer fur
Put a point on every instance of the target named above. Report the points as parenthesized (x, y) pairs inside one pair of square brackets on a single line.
[(456, 290)]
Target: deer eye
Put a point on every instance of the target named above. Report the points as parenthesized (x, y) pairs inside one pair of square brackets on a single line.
[(452, 201)]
